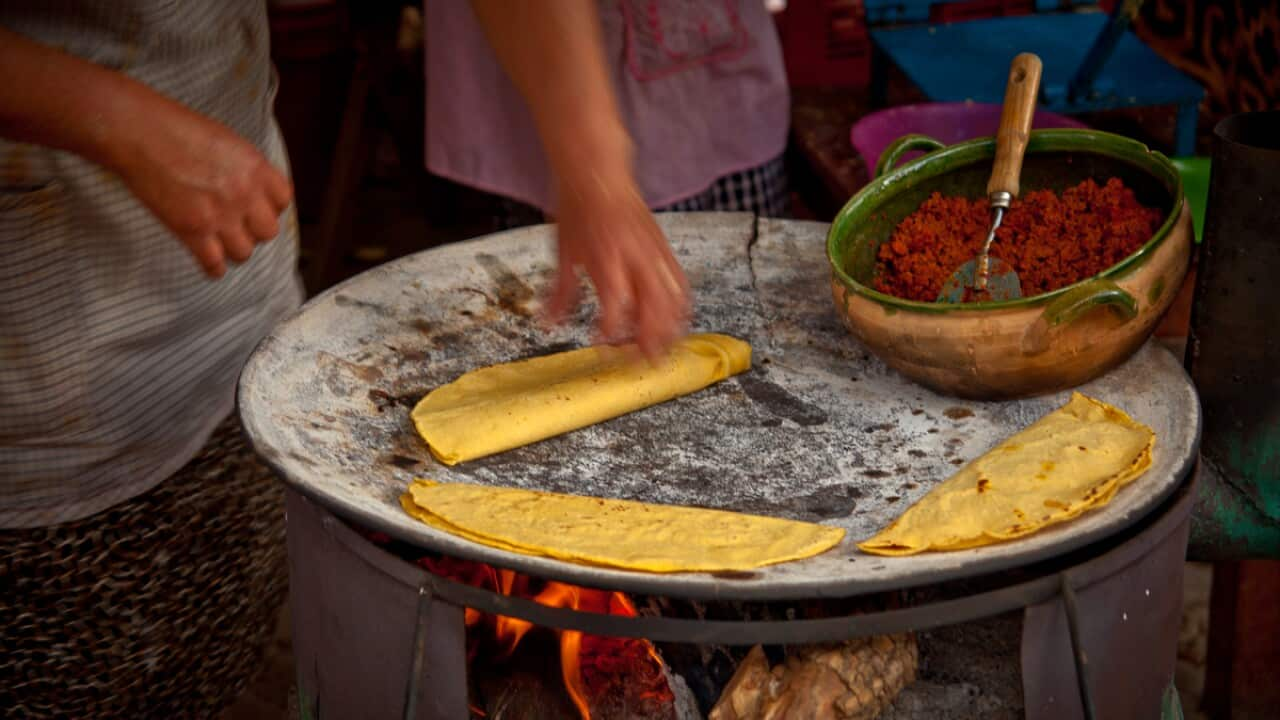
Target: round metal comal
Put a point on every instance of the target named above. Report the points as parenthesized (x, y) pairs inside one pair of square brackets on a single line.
[(817, 430)]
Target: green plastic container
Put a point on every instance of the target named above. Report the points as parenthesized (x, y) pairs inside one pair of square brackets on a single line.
[(1195, 185)]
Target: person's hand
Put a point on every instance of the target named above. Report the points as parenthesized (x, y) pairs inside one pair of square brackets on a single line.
[(208, 185), (213, 189), (605, 229)]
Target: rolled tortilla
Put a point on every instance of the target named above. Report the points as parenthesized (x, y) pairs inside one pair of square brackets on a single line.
[(505, 406)]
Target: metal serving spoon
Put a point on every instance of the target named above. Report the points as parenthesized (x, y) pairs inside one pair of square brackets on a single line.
[(985, 277)]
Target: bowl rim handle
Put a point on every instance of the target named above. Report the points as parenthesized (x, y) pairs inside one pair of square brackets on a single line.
[(905, 144), (1074, 303)]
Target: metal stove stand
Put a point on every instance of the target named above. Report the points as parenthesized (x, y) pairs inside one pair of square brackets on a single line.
[(1069, 603)]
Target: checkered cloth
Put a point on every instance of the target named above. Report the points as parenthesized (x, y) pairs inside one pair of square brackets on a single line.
[(762, 190)]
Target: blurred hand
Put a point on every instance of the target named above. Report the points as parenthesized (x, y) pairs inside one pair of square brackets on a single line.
[(208, 185), (605, 228)]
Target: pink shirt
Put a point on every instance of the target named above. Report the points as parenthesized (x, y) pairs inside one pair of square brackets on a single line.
[(701, 86)]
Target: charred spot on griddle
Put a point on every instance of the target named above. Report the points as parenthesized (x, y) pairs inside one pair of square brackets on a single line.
[(383, 400), (983, 484), (550, 349), (305, 460), (875, 473), (892, 498), (909, 486), (404, 355), (420, 325), (512, 292), (827, 503), (735, 575), (446, 339), (957, 461), (958, 413), (933, 431), (347, 301), (402, 461), (917, 453), (881, 427), (777, 401)]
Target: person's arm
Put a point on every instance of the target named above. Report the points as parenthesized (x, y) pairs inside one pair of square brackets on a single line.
[(553, 52), (208, 185)]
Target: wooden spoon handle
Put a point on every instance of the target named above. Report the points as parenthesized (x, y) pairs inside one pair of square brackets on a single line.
[(1015, 123)]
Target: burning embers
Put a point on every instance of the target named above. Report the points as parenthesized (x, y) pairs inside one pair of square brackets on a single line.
[(511, 674), (619, 673)]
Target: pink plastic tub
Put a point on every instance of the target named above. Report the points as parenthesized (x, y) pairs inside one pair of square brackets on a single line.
[(947, 123)]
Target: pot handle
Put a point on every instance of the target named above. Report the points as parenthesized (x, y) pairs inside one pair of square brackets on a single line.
[(905, 144), (1074, 303)]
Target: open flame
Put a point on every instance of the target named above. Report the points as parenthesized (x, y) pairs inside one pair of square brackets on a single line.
[(585, 660)]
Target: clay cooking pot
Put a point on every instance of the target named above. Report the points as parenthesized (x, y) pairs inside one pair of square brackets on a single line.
[(1031, 345)]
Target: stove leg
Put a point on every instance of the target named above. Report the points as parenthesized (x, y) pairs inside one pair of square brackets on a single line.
[(439, 658), (1077, 649)]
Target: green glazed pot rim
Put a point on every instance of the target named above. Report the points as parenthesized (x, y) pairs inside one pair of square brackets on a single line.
[(939, 162)]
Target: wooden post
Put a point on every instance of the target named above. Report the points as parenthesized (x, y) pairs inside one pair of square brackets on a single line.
[(1244, 645)]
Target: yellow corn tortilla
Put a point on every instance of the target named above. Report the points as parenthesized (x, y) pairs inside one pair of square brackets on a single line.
[(1070, 461), (505, 406), (614, 533), (406, 502)]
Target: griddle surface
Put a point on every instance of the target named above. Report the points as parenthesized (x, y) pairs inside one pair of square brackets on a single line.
[(817, 430)]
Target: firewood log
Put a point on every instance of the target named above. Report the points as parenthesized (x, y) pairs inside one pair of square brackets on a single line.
[(855, 680)]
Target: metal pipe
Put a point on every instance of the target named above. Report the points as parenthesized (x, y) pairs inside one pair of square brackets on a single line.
[(1081, 85), (1077, 648), (417, 663)]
